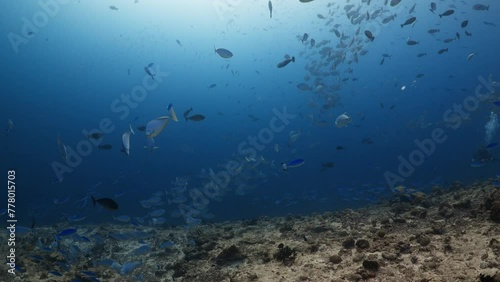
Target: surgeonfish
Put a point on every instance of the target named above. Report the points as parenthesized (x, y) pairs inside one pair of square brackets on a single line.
[(126, 143), (343, 120), (170, 108), (156, 126)]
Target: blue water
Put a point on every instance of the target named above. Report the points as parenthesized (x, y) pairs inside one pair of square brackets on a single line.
[(64, 78)]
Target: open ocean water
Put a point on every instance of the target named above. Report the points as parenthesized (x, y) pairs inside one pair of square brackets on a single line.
[(123, 119)]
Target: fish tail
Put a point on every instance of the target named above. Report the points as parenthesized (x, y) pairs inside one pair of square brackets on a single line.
[(440, 16), (93, 200), (401, 26)]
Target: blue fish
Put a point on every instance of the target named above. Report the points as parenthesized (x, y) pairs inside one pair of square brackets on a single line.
[(89, 273), (476, 164), (491, 145), (294, 163), (67, 232), (142, 250), (55, 273), (167, 244), (128, 267)]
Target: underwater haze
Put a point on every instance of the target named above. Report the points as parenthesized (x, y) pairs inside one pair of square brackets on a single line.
[(320, 107)]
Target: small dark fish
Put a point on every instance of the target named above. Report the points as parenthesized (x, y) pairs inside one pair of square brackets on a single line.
[(113, 8), (369, 35), (141, 128), (392, 107), (447, 13), (457, 35), (382, 62), (328, 165), (395, 2), (224, 53), (286, 62), (148, 72), (151, 65), (382, 105), (105, 147), (412, 9), (96, 135), (433, 7), (490, 24), (339, 148), (420, 75), (464, 23), (213, 85), (412, 42), (448, 40), (55, 273), (468, 33), (107, 203), (386, 55), (31, 33), (313, 42), (270, 5), (421, 54), (480, 7), (442, 51), (304, 37), (178, 42), (196, 117), (491, 145), (409, 21), (67, 232), (186, 113)]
